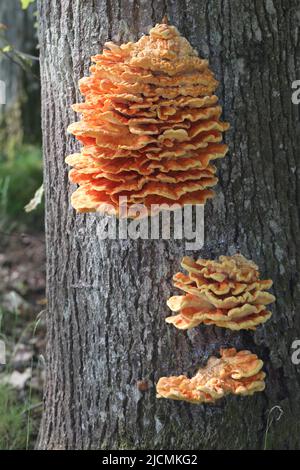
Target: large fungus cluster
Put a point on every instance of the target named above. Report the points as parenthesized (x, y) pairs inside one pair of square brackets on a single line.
[(227, 293), (150, 126), (150, 130), (235, 372)]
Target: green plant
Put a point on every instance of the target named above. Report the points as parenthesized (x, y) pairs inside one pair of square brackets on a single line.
[(20, 410), (13, 422), (25, 3), (5, 222), (21, 177), (4, 183)]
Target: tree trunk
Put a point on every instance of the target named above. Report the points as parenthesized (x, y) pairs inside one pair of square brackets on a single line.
[(107, 299)]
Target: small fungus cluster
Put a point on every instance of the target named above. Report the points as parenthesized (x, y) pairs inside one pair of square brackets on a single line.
[(227, 293), (234, 372)]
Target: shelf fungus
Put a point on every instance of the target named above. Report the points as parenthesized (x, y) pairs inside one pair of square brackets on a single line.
[(237, 373), (227, 293), (150, 126)]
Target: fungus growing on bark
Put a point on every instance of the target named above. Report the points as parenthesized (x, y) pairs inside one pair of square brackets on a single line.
[(150, 126), (238, 373), (227, 293)]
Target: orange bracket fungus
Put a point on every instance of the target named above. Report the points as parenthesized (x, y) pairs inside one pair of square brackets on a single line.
[(238, 373), (227, 293), (150, 126)]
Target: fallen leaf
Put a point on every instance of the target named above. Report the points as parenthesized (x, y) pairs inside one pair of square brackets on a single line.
[(36, 200)]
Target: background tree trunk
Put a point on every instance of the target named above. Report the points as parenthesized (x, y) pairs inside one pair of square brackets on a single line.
[(20, 117), (107, 300)]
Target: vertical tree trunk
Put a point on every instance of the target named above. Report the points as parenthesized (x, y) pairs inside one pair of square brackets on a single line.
[(107, 299)]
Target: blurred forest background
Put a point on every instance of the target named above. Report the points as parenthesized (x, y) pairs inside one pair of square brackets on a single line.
[(22, 254)]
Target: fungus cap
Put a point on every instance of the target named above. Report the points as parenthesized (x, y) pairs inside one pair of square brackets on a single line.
[(226, 292), (150, 126), (237, 373)]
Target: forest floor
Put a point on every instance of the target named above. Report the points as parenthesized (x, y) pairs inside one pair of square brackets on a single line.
[(22, 330)]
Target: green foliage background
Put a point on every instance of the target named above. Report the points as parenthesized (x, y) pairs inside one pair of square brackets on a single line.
[(20, 176)]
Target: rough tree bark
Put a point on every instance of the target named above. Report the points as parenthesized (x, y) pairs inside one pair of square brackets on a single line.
[(106, 307)]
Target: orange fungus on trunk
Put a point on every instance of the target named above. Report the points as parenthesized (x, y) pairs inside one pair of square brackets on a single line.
[(150, 126), (227, 293), (237, 373)]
